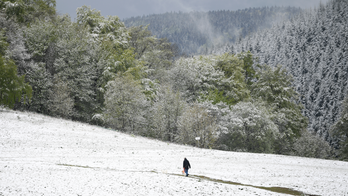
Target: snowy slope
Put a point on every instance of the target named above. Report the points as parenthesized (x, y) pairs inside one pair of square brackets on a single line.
[(40, 155)]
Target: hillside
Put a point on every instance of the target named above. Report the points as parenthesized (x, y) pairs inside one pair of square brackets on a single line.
[(97, 71), (197, 32), (313, 47), (41, 155)]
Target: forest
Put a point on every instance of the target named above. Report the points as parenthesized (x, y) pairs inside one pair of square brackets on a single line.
[(245, 96), (312, 46), (197, 32)]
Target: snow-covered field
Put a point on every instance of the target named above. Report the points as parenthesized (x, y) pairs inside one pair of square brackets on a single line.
[(40, 155)]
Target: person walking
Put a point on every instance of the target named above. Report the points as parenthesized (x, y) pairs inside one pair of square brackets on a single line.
[(186, 166)]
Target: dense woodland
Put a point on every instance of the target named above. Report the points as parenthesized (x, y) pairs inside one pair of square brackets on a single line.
[(313, 47), (197, 32), (99, 71)]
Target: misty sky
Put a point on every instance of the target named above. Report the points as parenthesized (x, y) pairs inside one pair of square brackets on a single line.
[(128, 8)]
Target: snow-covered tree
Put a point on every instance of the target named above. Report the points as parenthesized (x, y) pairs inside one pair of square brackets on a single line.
[(216, 78), (339, 131), (41, 82), (311, 145), (194, 76), (197, 127), (274, 87), (156, 54), (14, 41), (125, 104), (248, 127), (67, 52), (163, 122), (109, 30), (24, 11), (113, 48), (13, 87), (61, 104)]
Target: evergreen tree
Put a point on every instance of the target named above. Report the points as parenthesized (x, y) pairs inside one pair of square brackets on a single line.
[(274, 86), (41, 82), (125, 104), (12, 87), (65, 51), (155, 54), (339, 131), (25, 11)]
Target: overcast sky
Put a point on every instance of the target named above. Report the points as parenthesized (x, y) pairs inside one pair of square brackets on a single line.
[(128, 8)]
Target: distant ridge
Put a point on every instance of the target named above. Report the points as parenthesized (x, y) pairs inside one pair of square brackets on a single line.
[(198, 32)]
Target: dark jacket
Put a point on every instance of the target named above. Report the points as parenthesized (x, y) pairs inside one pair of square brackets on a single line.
[(186, 164)]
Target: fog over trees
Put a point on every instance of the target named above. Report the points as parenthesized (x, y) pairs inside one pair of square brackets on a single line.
[(197, 32)]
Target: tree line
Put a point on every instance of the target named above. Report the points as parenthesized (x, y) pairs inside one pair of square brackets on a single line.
[(96, 70)]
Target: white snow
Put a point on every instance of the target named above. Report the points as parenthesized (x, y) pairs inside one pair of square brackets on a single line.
[(41, 155)]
